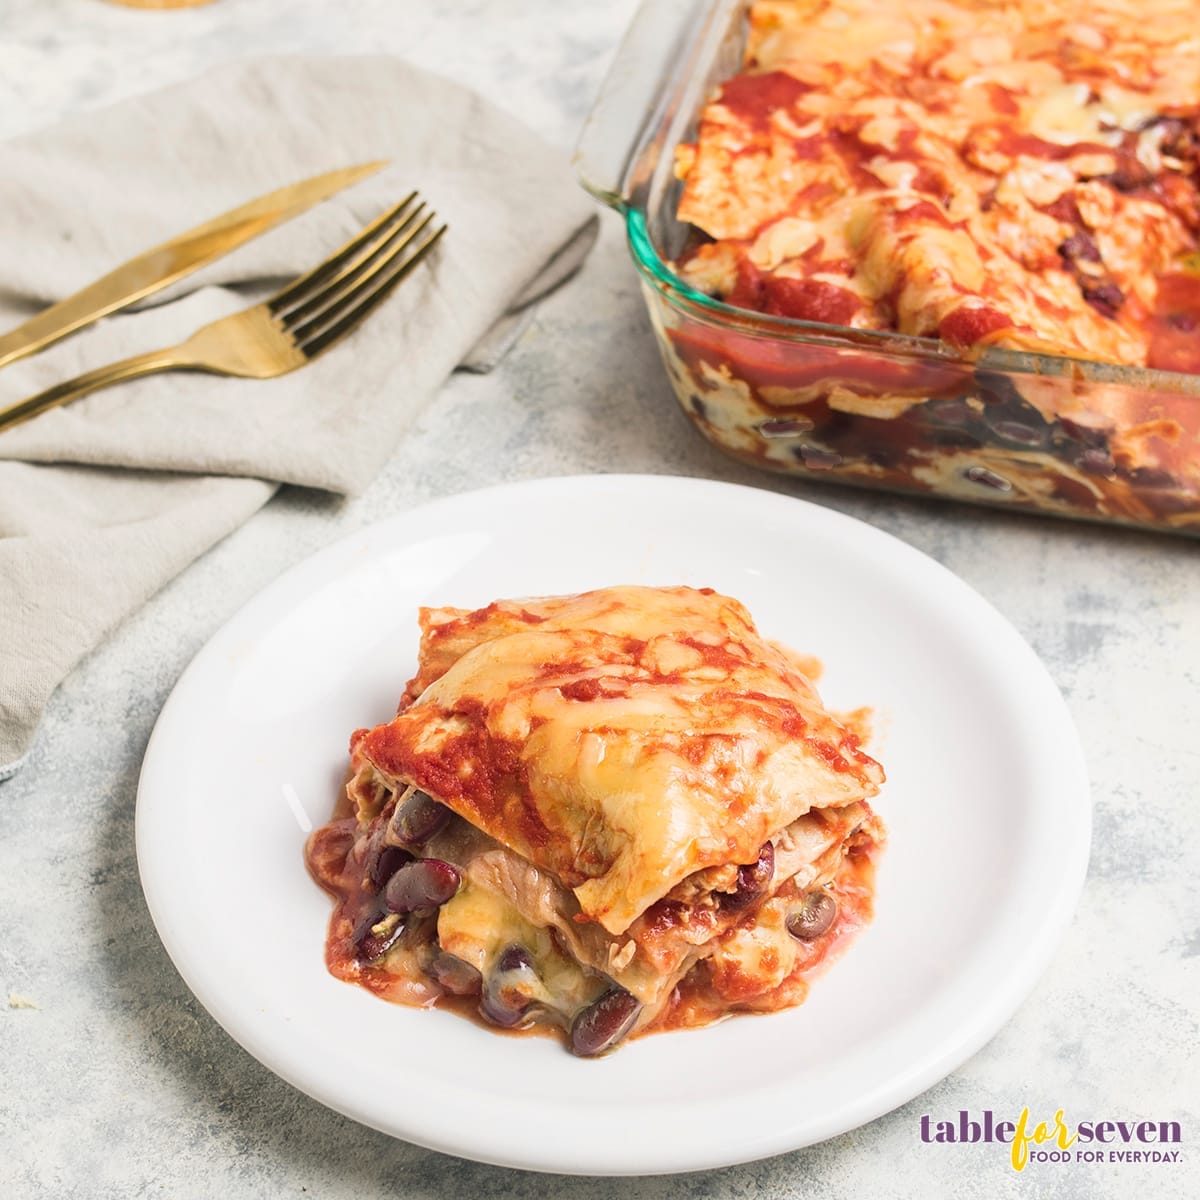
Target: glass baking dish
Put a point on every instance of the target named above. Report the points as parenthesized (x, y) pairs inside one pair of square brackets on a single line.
[(1062, 436)]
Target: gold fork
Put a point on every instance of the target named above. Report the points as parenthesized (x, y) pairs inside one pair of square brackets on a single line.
[(288, 330)]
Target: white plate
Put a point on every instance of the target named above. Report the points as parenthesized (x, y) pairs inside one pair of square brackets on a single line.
[(986, 804)]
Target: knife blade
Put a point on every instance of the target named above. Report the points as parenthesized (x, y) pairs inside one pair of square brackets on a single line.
[(162, 265)]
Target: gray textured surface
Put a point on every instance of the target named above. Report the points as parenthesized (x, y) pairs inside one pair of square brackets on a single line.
[(118, 1084)]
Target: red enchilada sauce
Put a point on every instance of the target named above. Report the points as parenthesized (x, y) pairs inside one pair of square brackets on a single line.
[(1174, 326), (755, 98)]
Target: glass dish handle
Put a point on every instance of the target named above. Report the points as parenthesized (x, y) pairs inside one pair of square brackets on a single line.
[(629, 108)]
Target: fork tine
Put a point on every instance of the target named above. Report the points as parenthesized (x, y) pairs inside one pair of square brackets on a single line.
[(299, 288), (368, 264), (357, 304)]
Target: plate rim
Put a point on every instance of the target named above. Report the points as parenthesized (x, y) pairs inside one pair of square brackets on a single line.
[(904, 1086)]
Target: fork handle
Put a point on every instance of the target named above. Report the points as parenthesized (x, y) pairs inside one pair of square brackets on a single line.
[(91, 381)]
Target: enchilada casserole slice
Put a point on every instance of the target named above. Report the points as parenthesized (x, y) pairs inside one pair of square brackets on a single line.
[(605, 813)]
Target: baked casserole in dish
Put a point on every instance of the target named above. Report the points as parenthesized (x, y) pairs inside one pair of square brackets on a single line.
[(950, 247)]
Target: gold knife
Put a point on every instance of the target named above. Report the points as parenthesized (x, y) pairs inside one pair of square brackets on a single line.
[(156, 268)]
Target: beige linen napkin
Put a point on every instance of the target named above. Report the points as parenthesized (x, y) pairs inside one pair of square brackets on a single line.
[(103, 501)]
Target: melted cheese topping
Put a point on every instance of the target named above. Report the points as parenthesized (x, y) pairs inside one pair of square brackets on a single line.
[(621, 740), (1014, 174)]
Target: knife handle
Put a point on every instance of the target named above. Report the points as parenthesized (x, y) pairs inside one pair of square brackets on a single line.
[(102, 377)]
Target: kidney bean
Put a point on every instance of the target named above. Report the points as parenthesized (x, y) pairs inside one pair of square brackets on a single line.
[(1103, 295), (514, 958), (456, 976), (1096, 462), (1093, 436), (367, 852), (987, 478), (778, 427), (382, 863), (1080, 247), (507, 998), (1178, 140), (508, 1010), (818, 458), (1153, 477), (418, 819), (377, 935), (1020, 433), (813, 917), (1129, 175), (422, 883), (752, 881), (601, 1025), (947, 412)]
